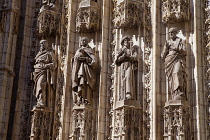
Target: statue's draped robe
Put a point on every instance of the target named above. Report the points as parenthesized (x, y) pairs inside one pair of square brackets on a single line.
[(127, 69), (83, 74), (174, 56), (43, 77)]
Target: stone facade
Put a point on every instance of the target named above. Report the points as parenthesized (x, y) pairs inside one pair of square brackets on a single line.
[(104, 69)]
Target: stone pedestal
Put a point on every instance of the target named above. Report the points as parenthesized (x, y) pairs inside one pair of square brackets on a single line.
[(177, 120), (127, 120), (41, 124), (82, 126)]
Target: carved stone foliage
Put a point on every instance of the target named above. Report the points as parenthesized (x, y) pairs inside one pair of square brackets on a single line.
[(88, 16), (147, 87), (127, 13), (48, 22), (82, 124), (41, 124), (112, 79), (207, 45), (175, 10), (127, 124), (177, 122)]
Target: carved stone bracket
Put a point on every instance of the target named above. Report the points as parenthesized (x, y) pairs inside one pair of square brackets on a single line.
[(177, 120), (41, 124), (48, 22), (175, 11), (82, 123), (127, 13), (88, 16), (127, 121)]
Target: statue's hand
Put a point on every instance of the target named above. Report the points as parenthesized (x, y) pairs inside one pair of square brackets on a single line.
[(88, 60)]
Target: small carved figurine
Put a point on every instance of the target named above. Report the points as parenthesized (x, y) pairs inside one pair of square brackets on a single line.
[(43, 75), (174, 54), (49, 5), (126, 58), (83, 73)]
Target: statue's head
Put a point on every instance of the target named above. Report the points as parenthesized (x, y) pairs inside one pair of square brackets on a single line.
[(126, 41), (172, 32), (43, 45), (84, 41)]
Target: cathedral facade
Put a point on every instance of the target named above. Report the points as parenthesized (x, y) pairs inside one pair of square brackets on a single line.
[(105, 69)]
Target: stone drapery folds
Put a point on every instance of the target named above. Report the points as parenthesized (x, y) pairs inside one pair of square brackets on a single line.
[(83, 73)]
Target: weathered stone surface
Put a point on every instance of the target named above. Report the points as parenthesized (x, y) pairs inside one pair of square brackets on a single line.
[(129, 94)]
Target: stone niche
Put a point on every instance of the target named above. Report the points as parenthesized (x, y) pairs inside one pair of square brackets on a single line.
[(88, 17), (127, 13), (175, 11)]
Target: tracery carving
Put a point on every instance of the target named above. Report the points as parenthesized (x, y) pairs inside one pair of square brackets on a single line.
[(126, 58), (88, 16), (175, 11), (127, 123), (127, 13), (177, 121), (82, 124), (41, 128), (48, 22)]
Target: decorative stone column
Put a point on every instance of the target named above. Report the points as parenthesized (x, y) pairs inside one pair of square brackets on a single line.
[(176, 120), (82, 123), (127, 120), (41, 124)]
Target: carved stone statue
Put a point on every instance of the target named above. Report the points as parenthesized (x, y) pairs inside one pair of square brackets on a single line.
[(43, 75), (83, 73), (49, 5), (174, 54), (126, 58)]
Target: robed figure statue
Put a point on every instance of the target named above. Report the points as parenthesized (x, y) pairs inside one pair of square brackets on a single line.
[(43, 75), (126, 58), (83, 74), (174, 54)]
